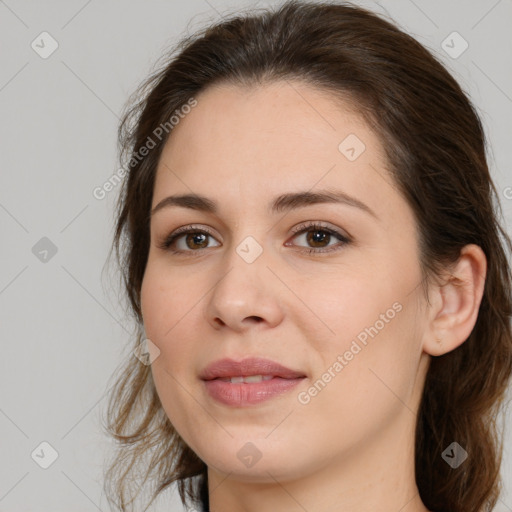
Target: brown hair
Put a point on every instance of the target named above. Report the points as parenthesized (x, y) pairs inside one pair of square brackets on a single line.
[(436, 151)]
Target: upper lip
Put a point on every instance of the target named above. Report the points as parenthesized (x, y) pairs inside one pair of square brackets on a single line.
[(250, 366)]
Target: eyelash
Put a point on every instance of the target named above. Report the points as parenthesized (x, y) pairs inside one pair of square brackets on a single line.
[(300, 229)]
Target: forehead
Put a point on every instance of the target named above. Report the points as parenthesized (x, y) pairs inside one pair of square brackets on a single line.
[(253, 143), (274, 119)]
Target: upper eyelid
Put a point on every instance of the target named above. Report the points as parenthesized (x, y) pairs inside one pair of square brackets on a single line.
[(344, 238), (297, 228)]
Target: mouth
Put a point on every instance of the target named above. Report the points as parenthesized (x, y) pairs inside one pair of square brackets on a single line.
[(248, 382), (250, 368), (248, 379)]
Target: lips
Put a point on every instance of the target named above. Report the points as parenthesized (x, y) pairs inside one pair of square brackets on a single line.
[(248, 382), (255, 366)]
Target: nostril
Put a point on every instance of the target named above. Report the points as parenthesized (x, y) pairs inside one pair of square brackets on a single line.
[(256, 319)]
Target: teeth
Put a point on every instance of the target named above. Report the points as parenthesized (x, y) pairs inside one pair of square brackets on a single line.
[(248, 380)]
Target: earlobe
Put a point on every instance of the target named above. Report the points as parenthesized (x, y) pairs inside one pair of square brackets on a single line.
[(455, 311)]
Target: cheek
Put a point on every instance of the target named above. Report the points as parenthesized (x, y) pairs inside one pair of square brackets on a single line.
[(361, 387), (168, 314), (164, 301), (370, 340), (172, 302), (340, 307)]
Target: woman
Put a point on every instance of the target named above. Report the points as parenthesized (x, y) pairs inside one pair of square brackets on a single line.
[(311, 247)]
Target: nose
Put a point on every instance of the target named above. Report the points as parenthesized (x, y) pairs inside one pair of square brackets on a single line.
[(245, 295)]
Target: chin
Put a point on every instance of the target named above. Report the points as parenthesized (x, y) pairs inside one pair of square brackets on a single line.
[(258, 460)]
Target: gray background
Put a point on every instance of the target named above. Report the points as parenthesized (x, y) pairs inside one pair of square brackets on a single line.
[(62, 326)]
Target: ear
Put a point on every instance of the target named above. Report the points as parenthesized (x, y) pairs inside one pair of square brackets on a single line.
[(455, 303)]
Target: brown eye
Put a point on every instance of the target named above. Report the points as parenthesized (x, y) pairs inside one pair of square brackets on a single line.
[(319, 237), (196, 239), (187, 239)]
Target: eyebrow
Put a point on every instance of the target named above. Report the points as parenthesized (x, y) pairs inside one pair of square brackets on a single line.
[(282, 203)]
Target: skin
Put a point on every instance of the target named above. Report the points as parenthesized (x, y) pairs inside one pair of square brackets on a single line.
[(351, 447)]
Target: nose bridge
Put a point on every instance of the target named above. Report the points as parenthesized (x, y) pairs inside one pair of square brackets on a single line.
[(244, 278), (242, 291)]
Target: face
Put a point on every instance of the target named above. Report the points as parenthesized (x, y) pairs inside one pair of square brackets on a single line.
[(328, 289)]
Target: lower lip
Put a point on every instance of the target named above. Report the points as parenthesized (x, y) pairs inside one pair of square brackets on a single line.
[(243, 394)]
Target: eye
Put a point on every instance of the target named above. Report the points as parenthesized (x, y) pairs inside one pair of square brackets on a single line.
[(186, 239), (319, 237)]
